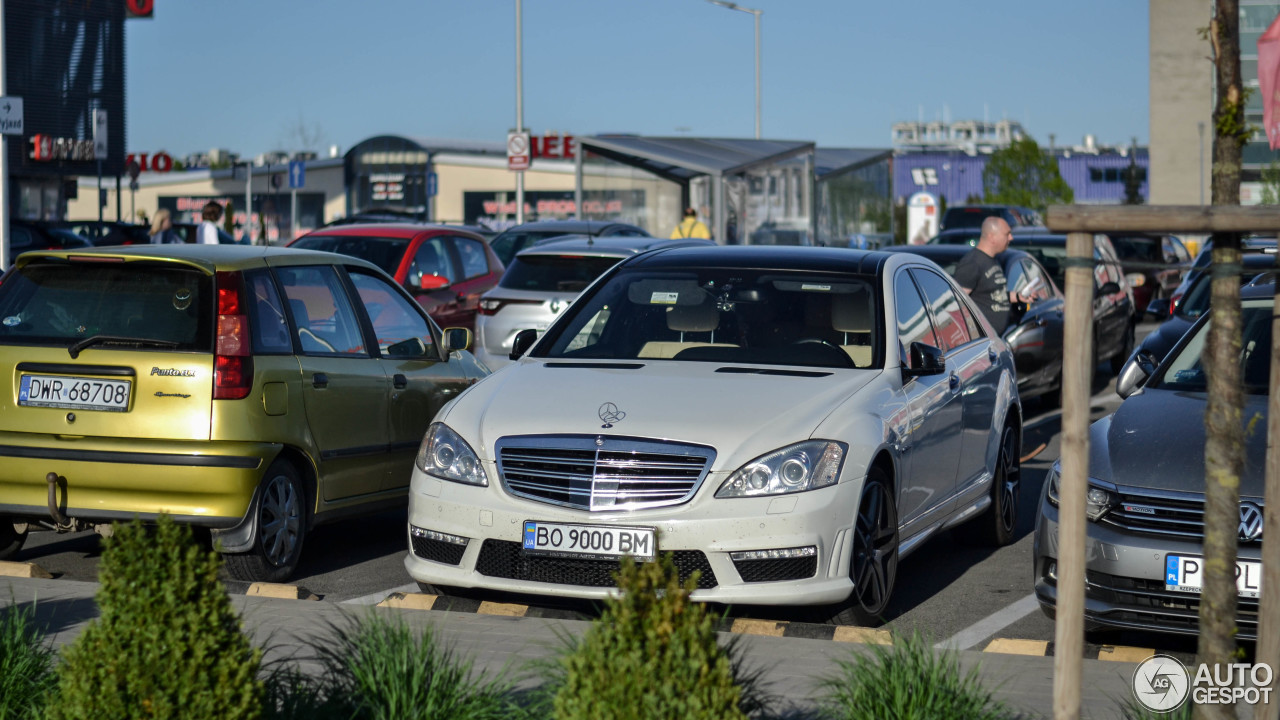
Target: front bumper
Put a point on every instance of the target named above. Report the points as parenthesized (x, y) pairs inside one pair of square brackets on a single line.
[(106, 479), (700, 533), (1124, 580)]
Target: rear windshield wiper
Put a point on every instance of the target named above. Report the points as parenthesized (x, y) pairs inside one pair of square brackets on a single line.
[(75, 349)]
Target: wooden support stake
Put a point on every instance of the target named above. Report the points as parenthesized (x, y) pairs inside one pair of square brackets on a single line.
[(1068, 660)]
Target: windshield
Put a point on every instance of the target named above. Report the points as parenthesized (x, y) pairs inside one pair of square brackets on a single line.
[(724, 316), (555, 273), (386, 253), (1185, 371), (63, 303), (1050, 258)]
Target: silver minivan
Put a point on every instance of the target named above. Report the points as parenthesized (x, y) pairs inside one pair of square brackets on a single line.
[(540, 282)]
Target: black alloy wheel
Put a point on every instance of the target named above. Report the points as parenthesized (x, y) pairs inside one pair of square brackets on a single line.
[(998, 525), (874, 563), (282, 527), (12, 536)]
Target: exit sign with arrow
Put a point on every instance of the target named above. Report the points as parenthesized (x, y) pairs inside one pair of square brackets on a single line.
[(10, 115)]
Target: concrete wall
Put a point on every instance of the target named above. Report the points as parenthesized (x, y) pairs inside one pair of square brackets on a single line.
[(1181, 97)]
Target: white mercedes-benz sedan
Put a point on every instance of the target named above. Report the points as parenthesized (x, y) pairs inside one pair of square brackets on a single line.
[(786, 422)]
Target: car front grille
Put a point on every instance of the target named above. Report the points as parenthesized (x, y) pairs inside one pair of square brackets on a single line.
[(1146, 602), (601, 473), (777, 569), (1162, 513), (437, 550), (505, 559)]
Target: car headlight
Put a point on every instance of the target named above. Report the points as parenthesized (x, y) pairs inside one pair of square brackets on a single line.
[(444, 454), (795, 468), (1099, 499)]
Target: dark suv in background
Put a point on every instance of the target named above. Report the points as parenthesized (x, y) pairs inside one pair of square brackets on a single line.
[(971, 216), (513, 240)]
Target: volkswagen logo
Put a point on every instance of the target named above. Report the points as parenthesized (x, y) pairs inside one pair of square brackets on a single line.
[(610, 414), (1250, 522)]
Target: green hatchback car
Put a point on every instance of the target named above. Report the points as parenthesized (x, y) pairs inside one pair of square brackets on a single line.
[(253, 391)]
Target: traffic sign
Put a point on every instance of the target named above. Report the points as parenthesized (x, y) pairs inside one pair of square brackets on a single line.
[(10, 115), (134, 169), (433, 184), (297, 174), (100, 134), (517, 150)]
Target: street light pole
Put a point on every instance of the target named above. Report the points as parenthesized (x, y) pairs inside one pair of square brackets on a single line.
[(757, 13), (520, 110)]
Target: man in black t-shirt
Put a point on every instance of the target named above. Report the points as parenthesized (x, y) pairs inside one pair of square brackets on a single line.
[(980, 275)]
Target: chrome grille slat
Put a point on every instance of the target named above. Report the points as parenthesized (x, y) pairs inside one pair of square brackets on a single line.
[(601, 472), (1176, 514)]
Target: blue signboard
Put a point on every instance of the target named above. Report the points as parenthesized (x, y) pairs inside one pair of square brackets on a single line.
[(432, 184), (297, 174)]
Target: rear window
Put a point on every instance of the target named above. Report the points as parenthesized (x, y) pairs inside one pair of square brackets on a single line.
[(969, 217), (386, 253), (60, 303), (555, 273), (1138, 248)]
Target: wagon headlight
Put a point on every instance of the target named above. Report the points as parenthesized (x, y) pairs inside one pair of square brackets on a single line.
[(444, 454), (795, 468), (1099, 499)]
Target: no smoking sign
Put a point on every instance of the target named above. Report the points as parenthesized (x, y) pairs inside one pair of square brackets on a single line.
[(517, 150)]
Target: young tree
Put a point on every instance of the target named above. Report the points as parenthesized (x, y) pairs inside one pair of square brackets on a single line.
[(1271, 184), (1224, 433), (1132, 182), (1023, 175)]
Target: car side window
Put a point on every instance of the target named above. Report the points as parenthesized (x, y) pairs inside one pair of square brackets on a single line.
[(401, 329), (1034, 283), (948, 315), (270, 328), (913, 322), (323, 319), (432, 258), (475, 262)]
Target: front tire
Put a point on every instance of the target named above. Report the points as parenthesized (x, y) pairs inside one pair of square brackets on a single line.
[(874, 563), (12, 536), (998, 525), (281, 528)]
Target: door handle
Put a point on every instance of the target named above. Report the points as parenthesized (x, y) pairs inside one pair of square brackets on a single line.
[(401, 382), (319, 380), (991, 355), (954, 382)]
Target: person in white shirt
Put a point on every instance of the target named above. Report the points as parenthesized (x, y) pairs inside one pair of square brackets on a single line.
[(208, 232)]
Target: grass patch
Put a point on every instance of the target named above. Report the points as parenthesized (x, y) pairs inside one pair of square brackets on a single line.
[(908, 680), (26, 665)]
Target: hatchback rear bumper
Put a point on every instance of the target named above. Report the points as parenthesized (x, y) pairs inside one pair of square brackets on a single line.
[(106, 479)]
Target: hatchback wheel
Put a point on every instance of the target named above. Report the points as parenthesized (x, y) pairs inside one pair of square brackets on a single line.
[(874, 564), (997, 526), (12, 535), (282, 526)]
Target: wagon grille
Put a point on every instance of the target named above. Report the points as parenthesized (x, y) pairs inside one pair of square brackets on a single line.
[(604, 473), (1162, 513)]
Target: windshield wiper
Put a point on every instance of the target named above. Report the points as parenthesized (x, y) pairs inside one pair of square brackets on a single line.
[(75, 349)]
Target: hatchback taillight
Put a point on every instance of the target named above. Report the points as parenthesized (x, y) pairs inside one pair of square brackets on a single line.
[(233, 361)]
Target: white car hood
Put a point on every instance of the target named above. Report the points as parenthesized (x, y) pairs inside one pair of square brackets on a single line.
[(740, 415)]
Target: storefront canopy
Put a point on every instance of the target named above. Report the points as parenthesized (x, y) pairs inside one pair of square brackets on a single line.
[(831, 162)]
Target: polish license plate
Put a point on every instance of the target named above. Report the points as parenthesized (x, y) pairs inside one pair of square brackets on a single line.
[(76, 393), (1186, 574), (592, 541)]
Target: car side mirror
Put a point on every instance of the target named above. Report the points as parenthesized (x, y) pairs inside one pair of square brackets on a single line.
[(523, 341), (1110, 288), (1159, 308), (1135, 373), (410, 348), (455, 339), (433, 282), (925, 360)]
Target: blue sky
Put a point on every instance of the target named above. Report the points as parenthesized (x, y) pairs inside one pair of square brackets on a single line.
[(243, 75)]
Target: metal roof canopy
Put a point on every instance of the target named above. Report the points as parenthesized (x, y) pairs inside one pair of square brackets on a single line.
[(832, 162), (681, 159)]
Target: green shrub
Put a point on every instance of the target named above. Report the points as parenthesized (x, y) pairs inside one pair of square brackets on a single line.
[(167, 643), (908, 680), (380, 669), (26, 665), (653, 654)]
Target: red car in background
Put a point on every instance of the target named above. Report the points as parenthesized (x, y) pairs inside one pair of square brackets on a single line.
[(445, 268)]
